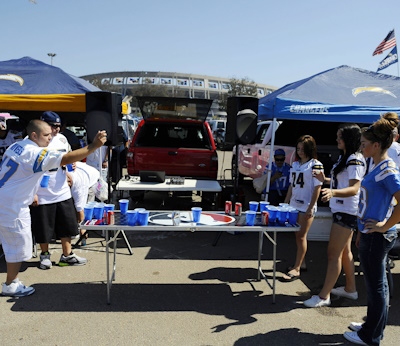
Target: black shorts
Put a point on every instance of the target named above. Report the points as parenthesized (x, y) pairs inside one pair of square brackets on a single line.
[(55, 218), (345, 220)]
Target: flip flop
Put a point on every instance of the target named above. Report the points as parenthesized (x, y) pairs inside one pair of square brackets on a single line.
[(288, 269), (292, 277)]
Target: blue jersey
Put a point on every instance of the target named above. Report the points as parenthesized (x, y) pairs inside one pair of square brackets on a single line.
[(376, 193), (281, 184)]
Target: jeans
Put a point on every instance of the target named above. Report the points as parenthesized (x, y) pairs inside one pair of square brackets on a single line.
[(373, 250)]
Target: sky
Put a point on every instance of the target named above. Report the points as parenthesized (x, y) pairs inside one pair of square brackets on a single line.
[(270, 42)]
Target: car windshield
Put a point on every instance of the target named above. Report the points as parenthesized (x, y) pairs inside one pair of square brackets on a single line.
[(172, 135)]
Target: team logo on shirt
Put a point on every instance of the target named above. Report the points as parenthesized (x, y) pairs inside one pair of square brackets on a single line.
[(37, 167)]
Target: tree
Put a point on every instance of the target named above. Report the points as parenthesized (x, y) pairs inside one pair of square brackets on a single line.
[(238, 87)]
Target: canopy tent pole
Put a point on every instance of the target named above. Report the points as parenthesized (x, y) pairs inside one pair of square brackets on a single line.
[(274, 123)]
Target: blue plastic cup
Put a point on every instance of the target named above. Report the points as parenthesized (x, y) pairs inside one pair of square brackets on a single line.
[(88, 210), (109, 207), (263, 206), (70, 168), (253, 205), (250, 217), (293, 214), (272, 214), (196, 212), (45, 181), (137, 214), (143, 217), (281, 215), (123, 205), (98, 211), (132, 216)]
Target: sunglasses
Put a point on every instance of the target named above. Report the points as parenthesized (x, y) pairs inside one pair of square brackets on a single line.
[(55, 126), (279, 159)]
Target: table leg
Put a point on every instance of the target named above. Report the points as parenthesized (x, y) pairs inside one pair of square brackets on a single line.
[(108, 268), (260, 245), (274, 268)]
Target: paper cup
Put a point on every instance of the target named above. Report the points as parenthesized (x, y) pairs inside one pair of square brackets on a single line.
[(263, 206), (293, 214), (253, 205), (109, 207), (123, 205), (250, 217), (196, 212), (45, 181), (88, 210), (132, 216), (98, 211), (143, 217), (272, 213)]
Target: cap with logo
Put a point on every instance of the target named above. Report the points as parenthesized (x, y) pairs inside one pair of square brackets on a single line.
[(51, 117)]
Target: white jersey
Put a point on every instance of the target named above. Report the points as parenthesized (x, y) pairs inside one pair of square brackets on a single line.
[(58, 189), (11, 137), (394, 153), (303, 183), (21, 171), (355, 169), (83, 178)]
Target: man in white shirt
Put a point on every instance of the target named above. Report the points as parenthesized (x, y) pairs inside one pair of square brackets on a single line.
[(81, 180), (55, 213), (23, 166)]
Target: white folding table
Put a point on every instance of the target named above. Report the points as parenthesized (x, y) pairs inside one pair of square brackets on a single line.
[(134, 184), (192, 227)]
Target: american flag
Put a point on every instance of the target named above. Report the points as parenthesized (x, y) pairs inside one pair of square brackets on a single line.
[(388, 42)]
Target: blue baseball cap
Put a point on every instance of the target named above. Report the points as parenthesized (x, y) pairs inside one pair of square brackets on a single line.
[(280, 152), (51, 117)]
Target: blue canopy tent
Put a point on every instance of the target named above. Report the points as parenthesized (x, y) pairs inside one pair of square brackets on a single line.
[(29, 87), (342, 94)]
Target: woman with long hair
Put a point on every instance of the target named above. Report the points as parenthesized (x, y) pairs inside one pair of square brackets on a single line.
[(303, 194), (377, 219), (343, 196)]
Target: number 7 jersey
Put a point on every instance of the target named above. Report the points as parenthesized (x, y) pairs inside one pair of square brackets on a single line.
[(303, 183)]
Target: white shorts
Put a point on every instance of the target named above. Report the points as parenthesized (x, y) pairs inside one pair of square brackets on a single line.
[(17, 241)]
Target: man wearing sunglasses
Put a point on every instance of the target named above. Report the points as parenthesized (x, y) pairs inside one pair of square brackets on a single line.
[(279, 178), (54, 213)]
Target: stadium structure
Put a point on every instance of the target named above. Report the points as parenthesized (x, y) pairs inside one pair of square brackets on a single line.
[(184, 84)]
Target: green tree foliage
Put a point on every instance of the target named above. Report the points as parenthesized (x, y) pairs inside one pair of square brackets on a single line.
[(238, 87)]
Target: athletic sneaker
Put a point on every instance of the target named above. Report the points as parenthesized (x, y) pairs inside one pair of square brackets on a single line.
[(317, 302), (45, 262), (354, 338), (72, 260), (341, 292), (355, 326), (16, 289)]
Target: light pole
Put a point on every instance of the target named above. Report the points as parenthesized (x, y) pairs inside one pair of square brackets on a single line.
[(51, 55)]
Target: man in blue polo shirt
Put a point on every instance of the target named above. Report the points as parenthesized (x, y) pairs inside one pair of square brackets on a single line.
[(279, 178)]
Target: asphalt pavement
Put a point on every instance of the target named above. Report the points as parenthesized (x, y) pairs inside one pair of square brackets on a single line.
[(179, 289)]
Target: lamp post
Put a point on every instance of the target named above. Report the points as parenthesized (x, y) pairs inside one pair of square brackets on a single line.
[(51, 55)]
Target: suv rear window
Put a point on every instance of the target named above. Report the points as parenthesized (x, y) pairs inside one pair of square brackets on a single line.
[(172, 135)]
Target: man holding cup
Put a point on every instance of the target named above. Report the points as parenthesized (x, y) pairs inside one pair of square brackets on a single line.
[(23, 166)]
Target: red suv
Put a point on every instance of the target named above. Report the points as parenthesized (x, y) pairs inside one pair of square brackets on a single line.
[(174, 137)]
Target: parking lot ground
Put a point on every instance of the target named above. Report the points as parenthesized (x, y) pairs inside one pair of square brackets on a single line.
[(178, 289)]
